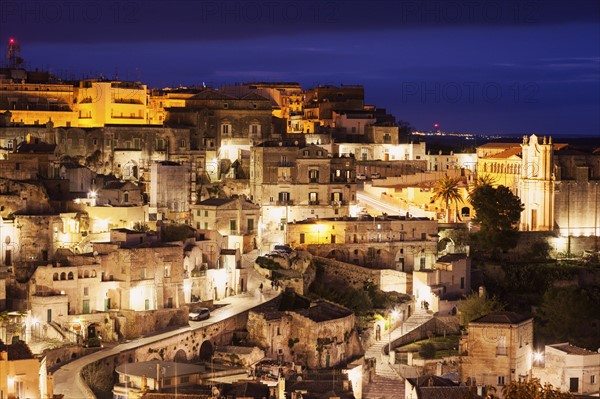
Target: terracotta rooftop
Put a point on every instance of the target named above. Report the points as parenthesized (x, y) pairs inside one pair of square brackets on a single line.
[(17, 350), (430, 381), (289, 301), (573, 350), (501, 318), (216, 201), (507, 153), (455, 392)]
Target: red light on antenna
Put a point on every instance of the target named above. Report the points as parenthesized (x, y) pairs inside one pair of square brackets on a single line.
[(11, 40), (436, 125)]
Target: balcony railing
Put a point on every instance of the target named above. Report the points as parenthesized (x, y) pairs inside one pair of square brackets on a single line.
[(340, 179), (285, 164), (285, 202), (338, 203), (316, 202)]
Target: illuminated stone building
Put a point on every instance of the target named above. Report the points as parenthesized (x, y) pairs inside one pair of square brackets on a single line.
[(558, 184), (33, 98), (322, 332), (443, 285), (321, 101), (22, 375), (295, 182), (569, 368), (101, 103), (395, 242), (497, 350), (230, 217), (221, 121), (170, 191)]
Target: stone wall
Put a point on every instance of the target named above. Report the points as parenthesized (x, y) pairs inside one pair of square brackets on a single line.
[(560, 246), (577, 209), (63, 355), (437, 326), (143, 323), (356, 276)]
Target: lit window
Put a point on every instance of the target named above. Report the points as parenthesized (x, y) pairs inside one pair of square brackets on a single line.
[(167, 271)]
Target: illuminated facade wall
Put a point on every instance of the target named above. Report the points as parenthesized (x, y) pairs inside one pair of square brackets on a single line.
[(385, 152), (38, 103), (497, 350), (20, 378), (101, 103), (564, 362), (293, 182)]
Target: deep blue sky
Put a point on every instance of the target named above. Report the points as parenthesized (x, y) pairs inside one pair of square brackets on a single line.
[(470, 65)]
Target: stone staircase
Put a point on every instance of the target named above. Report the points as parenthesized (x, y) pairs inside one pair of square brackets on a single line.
[(387, 383), (418, 318)]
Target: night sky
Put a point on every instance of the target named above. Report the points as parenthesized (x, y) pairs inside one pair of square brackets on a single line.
[(510, 67)]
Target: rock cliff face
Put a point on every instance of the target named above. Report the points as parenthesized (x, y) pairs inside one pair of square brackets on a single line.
[(293, 269), (22, 197)]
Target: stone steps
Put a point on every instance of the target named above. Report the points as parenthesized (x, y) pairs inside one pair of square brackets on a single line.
[(387, 383)]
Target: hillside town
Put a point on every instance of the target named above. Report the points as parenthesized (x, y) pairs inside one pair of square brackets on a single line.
[(268, 240)]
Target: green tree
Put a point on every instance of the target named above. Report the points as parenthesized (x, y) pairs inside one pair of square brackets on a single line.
[(476, 306), (177, 232), (566, 314), (530, 389), (446, 190), (427, 350), (141, 227), (497, 211)]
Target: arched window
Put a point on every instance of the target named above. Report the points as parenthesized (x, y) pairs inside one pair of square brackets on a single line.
[(55, 277), (70, 276), (86, 273), (465, 211), (93, 272), (63, 276)]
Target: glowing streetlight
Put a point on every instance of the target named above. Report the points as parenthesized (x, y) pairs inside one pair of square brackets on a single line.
[(538, 357)]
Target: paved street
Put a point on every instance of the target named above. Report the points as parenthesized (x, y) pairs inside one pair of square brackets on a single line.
[(68, 381)]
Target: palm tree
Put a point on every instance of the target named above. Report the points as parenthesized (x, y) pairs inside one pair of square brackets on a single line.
[(483, 180), (446, 190)]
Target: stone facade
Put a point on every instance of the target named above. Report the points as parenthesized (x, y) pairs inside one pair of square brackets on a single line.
[(381, 151), (557, 183), (219, 120), (569, 368), (356, 276), (497, 349), (21, 374), (295, 182), (385, 242), (229, 216), (444, 285), (317, 335)]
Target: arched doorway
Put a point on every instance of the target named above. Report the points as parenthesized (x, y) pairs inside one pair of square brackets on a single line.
[(91, 330), (180, 356), (206, 350)]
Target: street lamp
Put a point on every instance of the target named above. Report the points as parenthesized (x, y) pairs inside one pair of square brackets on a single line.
[(538, 358), (391, 316)]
